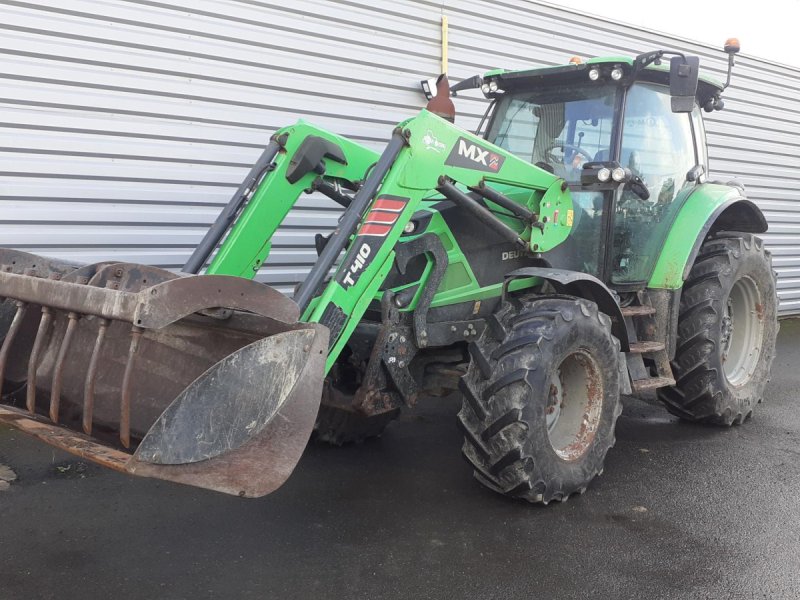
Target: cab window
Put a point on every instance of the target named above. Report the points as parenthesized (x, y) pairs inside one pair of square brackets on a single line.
[(658, 146), (557, 128)]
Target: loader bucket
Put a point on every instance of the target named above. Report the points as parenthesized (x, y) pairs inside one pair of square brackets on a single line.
[(204, 380)]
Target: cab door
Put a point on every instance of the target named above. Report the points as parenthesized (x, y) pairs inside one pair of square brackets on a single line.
[(658, 146)]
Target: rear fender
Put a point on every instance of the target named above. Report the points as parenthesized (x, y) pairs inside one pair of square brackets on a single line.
[(708, 209), (581, 285)]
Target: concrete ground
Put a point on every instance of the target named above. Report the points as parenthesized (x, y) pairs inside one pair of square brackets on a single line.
[(682, 511)]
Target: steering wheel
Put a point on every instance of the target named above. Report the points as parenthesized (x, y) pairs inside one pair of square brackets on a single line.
[(553, 159)]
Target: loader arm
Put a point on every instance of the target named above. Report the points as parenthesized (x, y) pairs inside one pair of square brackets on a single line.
[(248, 244), (427, 156), (466, 161)]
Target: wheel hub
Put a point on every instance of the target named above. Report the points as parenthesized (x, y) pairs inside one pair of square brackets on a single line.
[(554, 401), (742, 332), (574, 406)]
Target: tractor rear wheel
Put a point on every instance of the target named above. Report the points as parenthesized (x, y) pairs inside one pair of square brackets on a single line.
[(541, 398), (726, 333)]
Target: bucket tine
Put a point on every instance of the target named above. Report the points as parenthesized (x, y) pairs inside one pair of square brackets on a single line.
[(91, 376), (127, 380), (41, 334), (5, 349), (58, 371)]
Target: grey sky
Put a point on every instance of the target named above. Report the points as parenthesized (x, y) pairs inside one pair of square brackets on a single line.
[(766, 29)]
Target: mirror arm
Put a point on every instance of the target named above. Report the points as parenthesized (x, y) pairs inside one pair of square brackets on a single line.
[(643, 60)]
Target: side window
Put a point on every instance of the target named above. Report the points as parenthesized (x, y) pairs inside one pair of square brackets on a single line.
[(657, 144)]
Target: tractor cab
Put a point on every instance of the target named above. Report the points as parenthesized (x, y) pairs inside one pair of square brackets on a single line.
[(625, 139)]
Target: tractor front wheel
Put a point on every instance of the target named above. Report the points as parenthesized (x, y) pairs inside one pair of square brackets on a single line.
[(726, 333), (541, 398)]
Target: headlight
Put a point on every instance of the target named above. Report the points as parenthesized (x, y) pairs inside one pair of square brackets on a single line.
[(618, 174), (616, 73), (485, 88), (594, 74), (409, 227), (492, 86), (604, 174)]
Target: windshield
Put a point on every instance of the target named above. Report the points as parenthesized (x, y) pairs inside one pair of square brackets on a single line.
[(557, 128)]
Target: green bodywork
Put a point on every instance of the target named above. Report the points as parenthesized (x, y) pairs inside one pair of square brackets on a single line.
[(414, 177), (697, 208)]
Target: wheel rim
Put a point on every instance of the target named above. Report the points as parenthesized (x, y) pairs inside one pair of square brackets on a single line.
[(742, 332), (574, 406)]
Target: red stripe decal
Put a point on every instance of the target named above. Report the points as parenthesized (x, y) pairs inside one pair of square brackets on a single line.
[(370, 229), (391, 205), (377, 216)]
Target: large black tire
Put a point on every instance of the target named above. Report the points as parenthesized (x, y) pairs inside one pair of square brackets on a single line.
[(339, 426), (541, 354), (724, 350)]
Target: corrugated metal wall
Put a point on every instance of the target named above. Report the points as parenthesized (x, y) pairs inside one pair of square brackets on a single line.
[(126, 124)]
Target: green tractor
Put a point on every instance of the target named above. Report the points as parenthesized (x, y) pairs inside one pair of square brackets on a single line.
[(574, 253)]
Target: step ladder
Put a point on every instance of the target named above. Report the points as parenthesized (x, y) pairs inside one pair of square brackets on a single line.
[(640, 322)]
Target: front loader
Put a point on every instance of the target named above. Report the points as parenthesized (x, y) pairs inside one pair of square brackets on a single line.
[(576, 252)]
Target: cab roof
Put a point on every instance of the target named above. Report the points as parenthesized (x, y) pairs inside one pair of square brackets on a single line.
[(573, 73)]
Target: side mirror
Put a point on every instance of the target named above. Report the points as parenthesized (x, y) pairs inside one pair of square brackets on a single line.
[(683, 75)]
